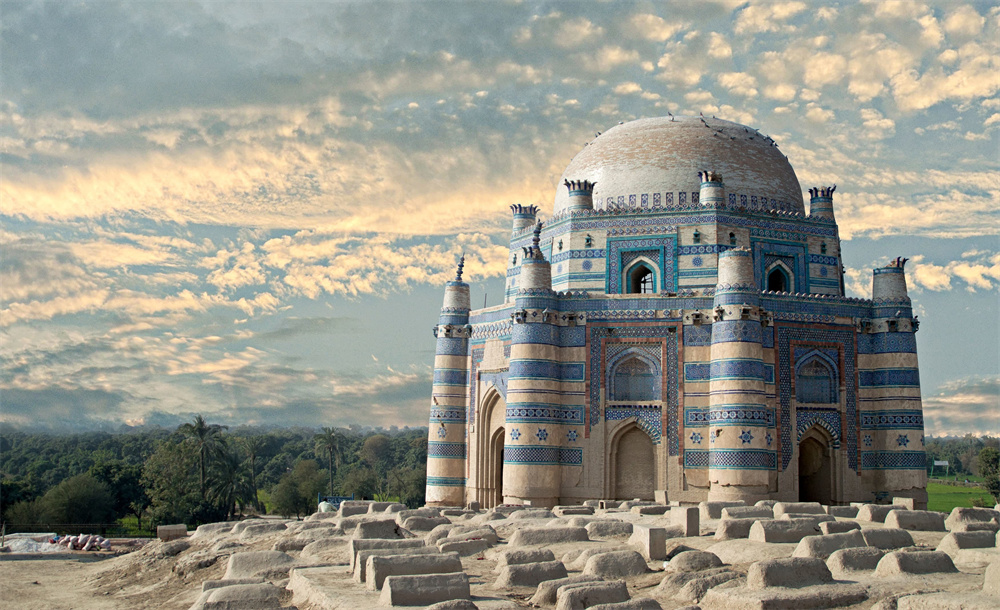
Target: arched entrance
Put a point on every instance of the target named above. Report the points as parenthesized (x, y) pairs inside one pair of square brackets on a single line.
[(815, 467), (495, 490), (634, 465), (490, 433)]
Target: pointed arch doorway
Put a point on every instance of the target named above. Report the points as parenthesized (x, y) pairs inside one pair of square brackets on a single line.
[(815, 466), (490, 436), (634, 465)]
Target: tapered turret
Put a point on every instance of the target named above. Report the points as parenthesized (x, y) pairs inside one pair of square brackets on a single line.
[(446, 446)]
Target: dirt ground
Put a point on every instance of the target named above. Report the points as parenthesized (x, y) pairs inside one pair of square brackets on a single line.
[(59, 581)]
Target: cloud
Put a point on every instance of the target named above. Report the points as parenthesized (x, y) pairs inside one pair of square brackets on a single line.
[(653, 27), (964, 21), (739, 83), (962, 406), (767, 16)]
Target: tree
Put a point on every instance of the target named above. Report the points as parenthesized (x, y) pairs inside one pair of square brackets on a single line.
[(253, 445), (297, 490), (78, 499), (989, 468), (360, 483), (229, 485), (125, 482), (328, 442), (170, 480), (376, 451), (207, 439)]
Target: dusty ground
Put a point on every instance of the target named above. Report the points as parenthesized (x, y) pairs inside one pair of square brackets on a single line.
[(57, 581)]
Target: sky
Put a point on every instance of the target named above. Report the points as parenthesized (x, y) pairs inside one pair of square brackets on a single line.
[(248, 210)]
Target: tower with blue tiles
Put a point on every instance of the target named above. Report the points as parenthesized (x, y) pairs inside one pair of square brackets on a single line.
[(446, 444), (678, 330)]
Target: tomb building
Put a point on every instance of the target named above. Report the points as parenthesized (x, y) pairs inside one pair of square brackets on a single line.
[(677, 330)]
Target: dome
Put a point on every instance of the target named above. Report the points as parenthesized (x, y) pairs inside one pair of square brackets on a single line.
[(664, 155)]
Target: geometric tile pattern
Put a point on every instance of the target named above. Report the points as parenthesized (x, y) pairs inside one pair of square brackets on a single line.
[(893, 460), (448, 416), (897, 419), (887, 343), (794, 257), (741, 415), (828, 419), (901, 377), (727, 331), (695, 334), (694, 458), (544, 413), (446, 481), (649, 418), (842, 340), (743, 459), (446, 450), (542, 455)]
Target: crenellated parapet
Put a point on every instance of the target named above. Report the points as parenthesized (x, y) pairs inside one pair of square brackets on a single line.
[(524, 216), (821, 202), (581, 195)]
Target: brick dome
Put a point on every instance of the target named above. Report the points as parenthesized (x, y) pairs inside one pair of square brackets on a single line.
[(664, 155)]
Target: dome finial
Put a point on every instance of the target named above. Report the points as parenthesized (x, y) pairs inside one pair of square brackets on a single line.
[(461, 265)]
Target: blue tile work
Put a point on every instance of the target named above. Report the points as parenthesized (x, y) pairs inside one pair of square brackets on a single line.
[(646, 387), (451, 376), (741, 415), (703, 249), (729, 331), (742, 459), (446, 481), (498, 379), (738, 368), (695, 459), (451, 346), (544, 413), (437, 449), (559, 257), (830, 337), (596, 359), (447, 415), (649, 417), (885, 343), (542, 455), (823, 260), (664, 247), (696, 416), (546, 369), (698, 335), (893, 460), (795, 252), (828, 419), (515, 434), (769, 228), (630, 255), (896, 419), (890, 378), (746, 436), (767, 337), (903, 440)]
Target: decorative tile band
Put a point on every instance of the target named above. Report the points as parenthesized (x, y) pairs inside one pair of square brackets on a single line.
[(698, 335), (546, 369), (445, 481), (539, 455), (894, 460), (544, 413), (741, 415), (451, 376), (437, 449), (828, 419), (729, 331), (729, 369), (695, 417), (447, 416), (449, 346), (559, 257), (892, 378), (887, 343), (695, 459), (742, 459), (893, 420)]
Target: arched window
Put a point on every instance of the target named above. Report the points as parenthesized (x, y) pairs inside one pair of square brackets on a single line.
[(697, 237), (822, 248), (777, 280), (815, 382), (635, 380), (641, 279), (732, 239)]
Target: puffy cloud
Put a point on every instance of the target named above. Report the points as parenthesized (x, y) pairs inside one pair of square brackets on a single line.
[(739, 83), (653, 27), (964, 21), (609, 57), (627, 88), (781, 92), (767, 16)]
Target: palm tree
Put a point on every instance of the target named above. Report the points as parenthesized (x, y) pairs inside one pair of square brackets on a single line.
[(229, 483), (208, 439), (253, 445), (328, 441)]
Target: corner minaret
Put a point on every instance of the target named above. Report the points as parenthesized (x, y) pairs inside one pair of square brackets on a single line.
[(892, 423), (531, 453), (581, 194), (742, 434), (524, 217), (446, 446), (713, 192), (821, 202)]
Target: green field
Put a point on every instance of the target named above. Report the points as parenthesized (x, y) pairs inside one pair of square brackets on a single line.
[(946, 497)]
